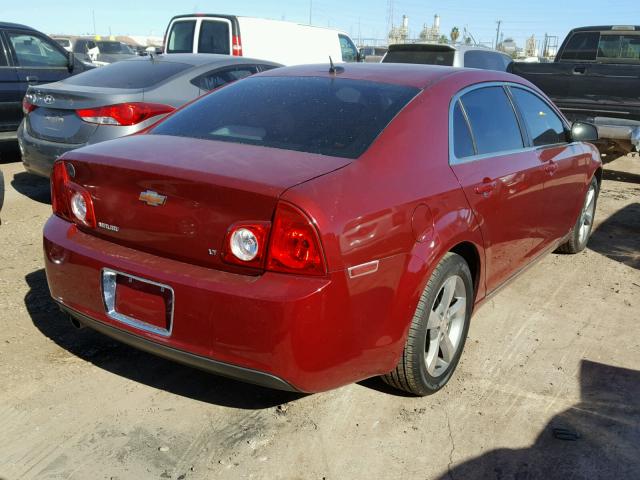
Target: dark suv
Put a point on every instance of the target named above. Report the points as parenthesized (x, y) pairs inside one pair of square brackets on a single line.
[(27, 57)]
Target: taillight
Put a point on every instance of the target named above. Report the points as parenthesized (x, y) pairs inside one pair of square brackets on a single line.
[(246, 243), (27, 106), (68, 199), (123, 114), (236, 46), (295, 245)]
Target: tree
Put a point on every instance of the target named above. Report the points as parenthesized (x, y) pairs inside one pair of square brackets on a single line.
[(455, 34), (443, 39)]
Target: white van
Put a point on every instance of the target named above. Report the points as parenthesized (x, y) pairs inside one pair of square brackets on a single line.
[(282, 42)]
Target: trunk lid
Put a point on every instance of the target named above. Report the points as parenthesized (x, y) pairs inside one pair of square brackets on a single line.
[(55, 119), (207, 187)]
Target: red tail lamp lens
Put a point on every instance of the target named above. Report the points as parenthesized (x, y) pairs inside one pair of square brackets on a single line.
[(236, 46), (27, 106), (123, 114), (295, 246), (69, 200)]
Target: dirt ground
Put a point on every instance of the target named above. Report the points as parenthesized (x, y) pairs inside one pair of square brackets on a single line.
[(555, 354)]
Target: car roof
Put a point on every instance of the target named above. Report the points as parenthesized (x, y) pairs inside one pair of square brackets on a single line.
[(606, 28), (407, 74), (15, 25), (200, 59)]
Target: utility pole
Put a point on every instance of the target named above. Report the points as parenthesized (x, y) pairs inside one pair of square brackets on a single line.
[(310, 12), (93, 14), (499, 22)]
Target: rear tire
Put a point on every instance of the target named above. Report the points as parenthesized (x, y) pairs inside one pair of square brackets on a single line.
[(438, 330), (581, 231)]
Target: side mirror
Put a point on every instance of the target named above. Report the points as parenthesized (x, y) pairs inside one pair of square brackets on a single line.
[(584, 132), (361, 56)]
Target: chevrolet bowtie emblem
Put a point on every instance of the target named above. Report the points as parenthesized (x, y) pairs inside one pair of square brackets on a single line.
[(153, 199)]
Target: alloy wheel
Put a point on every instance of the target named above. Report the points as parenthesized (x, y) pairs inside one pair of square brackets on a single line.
[(586, 217)]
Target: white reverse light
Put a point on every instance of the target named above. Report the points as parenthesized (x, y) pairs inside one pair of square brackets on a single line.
[(244, 244)]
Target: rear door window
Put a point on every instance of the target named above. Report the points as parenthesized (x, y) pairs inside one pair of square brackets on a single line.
[(582, 46), (462, 140), (139, 73), (493, 120), (181, 37), (214, 37), (328, 116), (544, 125), (33, 51), (217, 78)]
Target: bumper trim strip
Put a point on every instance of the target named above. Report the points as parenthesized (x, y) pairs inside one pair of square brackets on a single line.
[(196, 361)]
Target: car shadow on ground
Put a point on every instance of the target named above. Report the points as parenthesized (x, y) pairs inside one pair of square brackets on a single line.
[(139, 366), (618, 237), (596, 438), (32, 186), (618, 176)]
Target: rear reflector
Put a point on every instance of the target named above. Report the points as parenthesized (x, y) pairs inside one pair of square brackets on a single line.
[(295, 245), (123, 114)]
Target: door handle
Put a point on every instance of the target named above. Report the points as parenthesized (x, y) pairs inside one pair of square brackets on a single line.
[(579, 70), (551, 168), (32, 79), (486, 188)]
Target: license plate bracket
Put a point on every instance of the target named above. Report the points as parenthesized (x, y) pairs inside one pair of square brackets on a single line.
[(138, 302)]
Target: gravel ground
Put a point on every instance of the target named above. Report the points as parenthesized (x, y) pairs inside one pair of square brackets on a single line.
[(548, 385)]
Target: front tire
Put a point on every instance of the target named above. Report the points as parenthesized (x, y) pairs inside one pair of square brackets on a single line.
[(581, 231), (438, 330)]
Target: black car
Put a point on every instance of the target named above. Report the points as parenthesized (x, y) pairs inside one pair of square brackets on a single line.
[(28, 57)]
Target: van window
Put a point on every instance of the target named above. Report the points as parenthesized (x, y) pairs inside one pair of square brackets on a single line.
[(214, 37), (493, 120), (349, 50), (544, 125), (329, 116), (582, 46), (181, 37)]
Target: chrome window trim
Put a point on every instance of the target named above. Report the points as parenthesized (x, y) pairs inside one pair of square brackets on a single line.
[(107, 280), (453, 160)]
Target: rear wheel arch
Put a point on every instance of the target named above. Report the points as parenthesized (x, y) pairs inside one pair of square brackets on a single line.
[(469, 252), (598, 174)]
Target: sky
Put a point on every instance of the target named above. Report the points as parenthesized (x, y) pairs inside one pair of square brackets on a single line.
[(360, 18)]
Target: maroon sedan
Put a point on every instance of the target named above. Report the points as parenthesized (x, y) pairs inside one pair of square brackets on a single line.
[(307, 228)]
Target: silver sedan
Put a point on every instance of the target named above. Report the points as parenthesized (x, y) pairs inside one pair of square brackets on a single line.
[(118, 100)]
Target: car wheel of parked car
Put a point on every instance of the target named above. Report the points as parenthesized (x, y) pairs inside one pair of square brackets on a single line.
[(438, 330), (581, 231)]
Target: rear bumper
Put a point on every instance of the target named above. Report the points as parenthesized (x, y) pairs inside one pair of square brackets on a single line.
[(196, 361), (308, 334), (38, 155)]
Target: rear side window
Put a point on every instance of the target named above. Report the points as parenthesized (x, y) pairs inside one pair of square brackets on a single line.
[(329, 116), (218, 78), (214, 38), (544, 125), (421, 56), (493, 120), (3, 57), (142, 73), (619, 47), (582, 46), (181, 37), (462, 142)]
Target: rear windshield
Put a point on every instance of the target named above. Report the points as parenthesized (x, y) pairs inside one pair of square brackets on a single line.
[(420, 56), (214, 37), (337, 117), (181, 37), (141, 73), (114, 47)]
